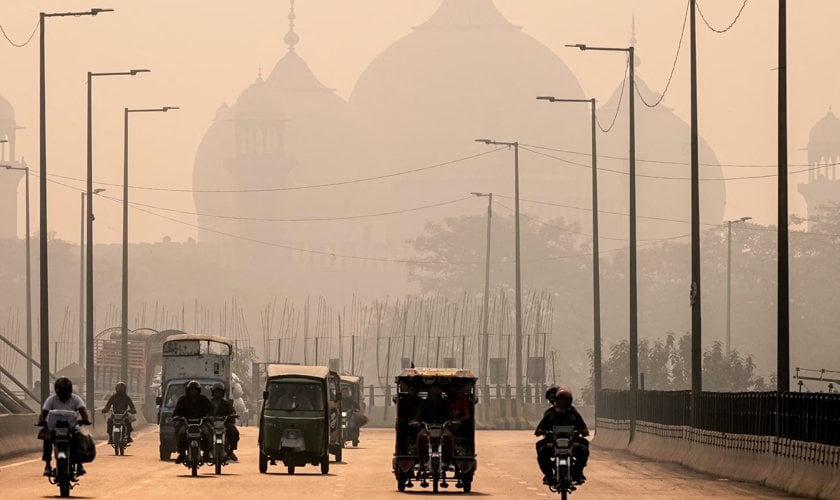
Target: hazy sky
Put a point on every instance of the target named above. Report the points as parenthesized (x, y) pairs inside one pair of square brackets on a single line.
[(204, 53)]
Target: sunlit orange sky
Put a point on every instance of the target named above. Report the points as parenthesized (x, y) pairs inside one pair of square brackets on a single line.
[(205, 53)]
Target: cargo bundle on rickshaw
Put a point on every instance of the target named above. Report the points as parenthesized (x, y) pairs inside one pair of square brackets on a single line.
[(435, 428), (300, 422)]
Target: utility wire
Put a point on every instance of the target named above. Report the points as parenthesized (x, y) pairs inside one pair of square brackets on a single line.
[(620, 100), (669, 177), (671, 162), (673, 67), (3, 31), (297, 188), (724, 30), (310, 219)]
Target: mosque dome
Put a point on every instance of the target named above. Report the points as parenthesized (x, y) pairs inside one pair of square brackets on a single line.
[(824, 139)]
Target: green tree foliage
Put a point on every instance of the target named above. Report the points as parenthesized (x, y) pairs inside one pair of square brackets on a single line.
[(666, 365)]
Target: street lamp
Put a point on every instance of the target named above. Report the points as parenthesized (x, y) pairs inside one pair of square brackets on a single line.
[(124, 371), (485, 336), (729, 279), (28, 286), (634, 321), (596, 266), (518, 337), (42, 238), (89, 379), (82, 281)]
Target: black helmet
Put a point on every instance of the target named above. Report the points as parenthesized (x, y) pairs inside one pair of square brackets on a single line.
[(550, 392), (193, 384), (120, 387), (218, 386), (63, 388)]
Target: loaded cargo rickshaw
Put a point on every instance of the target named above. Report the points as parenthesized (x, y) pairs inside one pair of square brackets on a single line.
[(300, 423), (435, 428)]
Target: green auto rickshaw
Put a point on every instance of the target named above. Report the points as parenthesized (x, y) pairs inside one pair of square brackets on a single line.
[(300, 422)]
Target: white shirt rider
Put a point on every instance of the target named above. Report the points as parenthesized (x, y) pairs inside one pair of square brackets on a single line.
[(74, 403)]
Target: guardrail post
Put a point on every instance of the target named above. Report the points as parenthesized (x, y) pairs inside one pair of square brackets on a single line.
[(371, 396)]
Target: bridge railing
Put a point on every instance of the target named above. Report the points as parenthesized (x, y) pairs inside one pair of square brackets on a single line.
[(811, 417)]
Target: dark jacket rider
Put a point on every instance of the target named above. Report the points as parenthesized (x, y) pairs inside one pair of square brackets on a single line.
[(223, 408), (562, 413), (191, 405), (119, 402)]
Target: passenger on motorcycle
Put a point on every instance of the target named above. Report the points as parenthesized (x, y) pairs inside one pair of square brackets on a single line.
[(562, 413), (119, 401), (434, 410), (63, 399), (223, 408), (190, 406)]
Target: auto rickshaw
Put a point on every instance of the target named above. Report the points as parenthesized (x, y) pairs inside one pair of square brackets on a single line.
[(438, 448), (300, 422), (352, 408)]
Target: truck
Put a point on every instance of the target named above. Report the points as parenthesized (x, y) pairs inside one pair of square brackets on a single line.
[(203, 358)]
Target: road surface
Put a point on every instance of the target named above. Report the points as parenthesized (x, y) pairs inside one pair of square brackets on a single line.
[(506, 469)]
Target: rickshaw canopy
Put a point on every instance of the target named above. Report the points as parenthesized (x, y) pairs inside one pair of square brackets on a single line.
[(276, 370)]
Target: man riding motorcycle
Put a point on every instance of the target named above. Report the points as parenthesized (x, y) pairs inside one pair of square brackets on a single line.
[(63, 399), (192, 405), (119, 401), (562, 413), (223, 408)]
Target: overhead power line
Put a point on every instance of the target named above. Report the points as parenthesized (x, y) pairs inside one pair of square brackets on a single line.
[(297, 188), (304, 219), (620, 100), (31, 35), (673, 67), (723, 30)]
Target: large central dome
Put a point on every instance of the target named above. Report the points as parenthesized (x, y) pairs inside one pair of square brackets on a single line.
[(468, 73)]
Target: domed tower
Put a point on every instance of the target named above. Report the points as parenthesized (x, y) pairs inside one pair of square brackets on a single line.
[(823, 185), (663, 156), (285, 130), (9, 179), (464, 74)]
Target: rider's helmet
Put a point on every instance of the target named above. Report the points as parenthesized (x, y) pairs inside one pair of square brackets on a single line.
[(193, 384), (550, 392), (63, 388), (218, 386), (564, 394), (120, 387)]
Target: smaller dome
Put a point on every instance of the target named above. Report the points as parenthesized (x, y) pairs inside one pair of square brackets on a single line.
[(256, 101), (826, 131), (7, 112), (222, 113)]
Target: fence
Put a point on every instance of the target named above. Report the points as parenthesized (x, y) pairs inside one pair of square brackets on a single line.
[(810, 417)]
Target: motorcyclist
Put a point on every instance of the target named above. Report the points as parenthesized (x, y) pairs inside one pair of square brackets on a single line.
[(562, 413), (63, 399), (119, 402), (223, 408), (351, 406), (191, 405), (434, 410)]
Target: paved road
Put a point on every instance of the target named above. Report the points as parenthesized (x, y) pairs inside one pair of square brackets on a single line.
[(506, 469)]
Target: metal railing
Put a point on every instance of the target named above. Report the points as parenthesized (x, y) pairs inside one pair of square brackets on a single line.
[(810, 417)]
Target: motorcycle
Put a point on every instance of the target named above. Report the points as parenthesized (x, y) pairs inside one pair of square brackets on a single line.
[(119, 431), (194, 458), (561, 439), (66, 473), (219, 451), (350, 426)]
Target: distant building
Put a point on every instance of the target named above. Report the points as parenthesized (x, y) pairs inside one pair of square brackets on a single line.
[(823, 184), (10, 180), (464, 74)]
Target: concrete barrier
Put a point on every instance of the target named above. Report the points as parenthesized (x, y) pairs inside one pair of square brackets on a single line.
[(800, 468), (18, 433)]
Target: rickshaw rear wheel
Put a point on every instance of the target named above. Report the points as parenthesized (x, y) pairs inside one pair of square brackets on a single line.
[(325, 464), (290, 469), (338, 455), (263, 463), (467, 482)]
